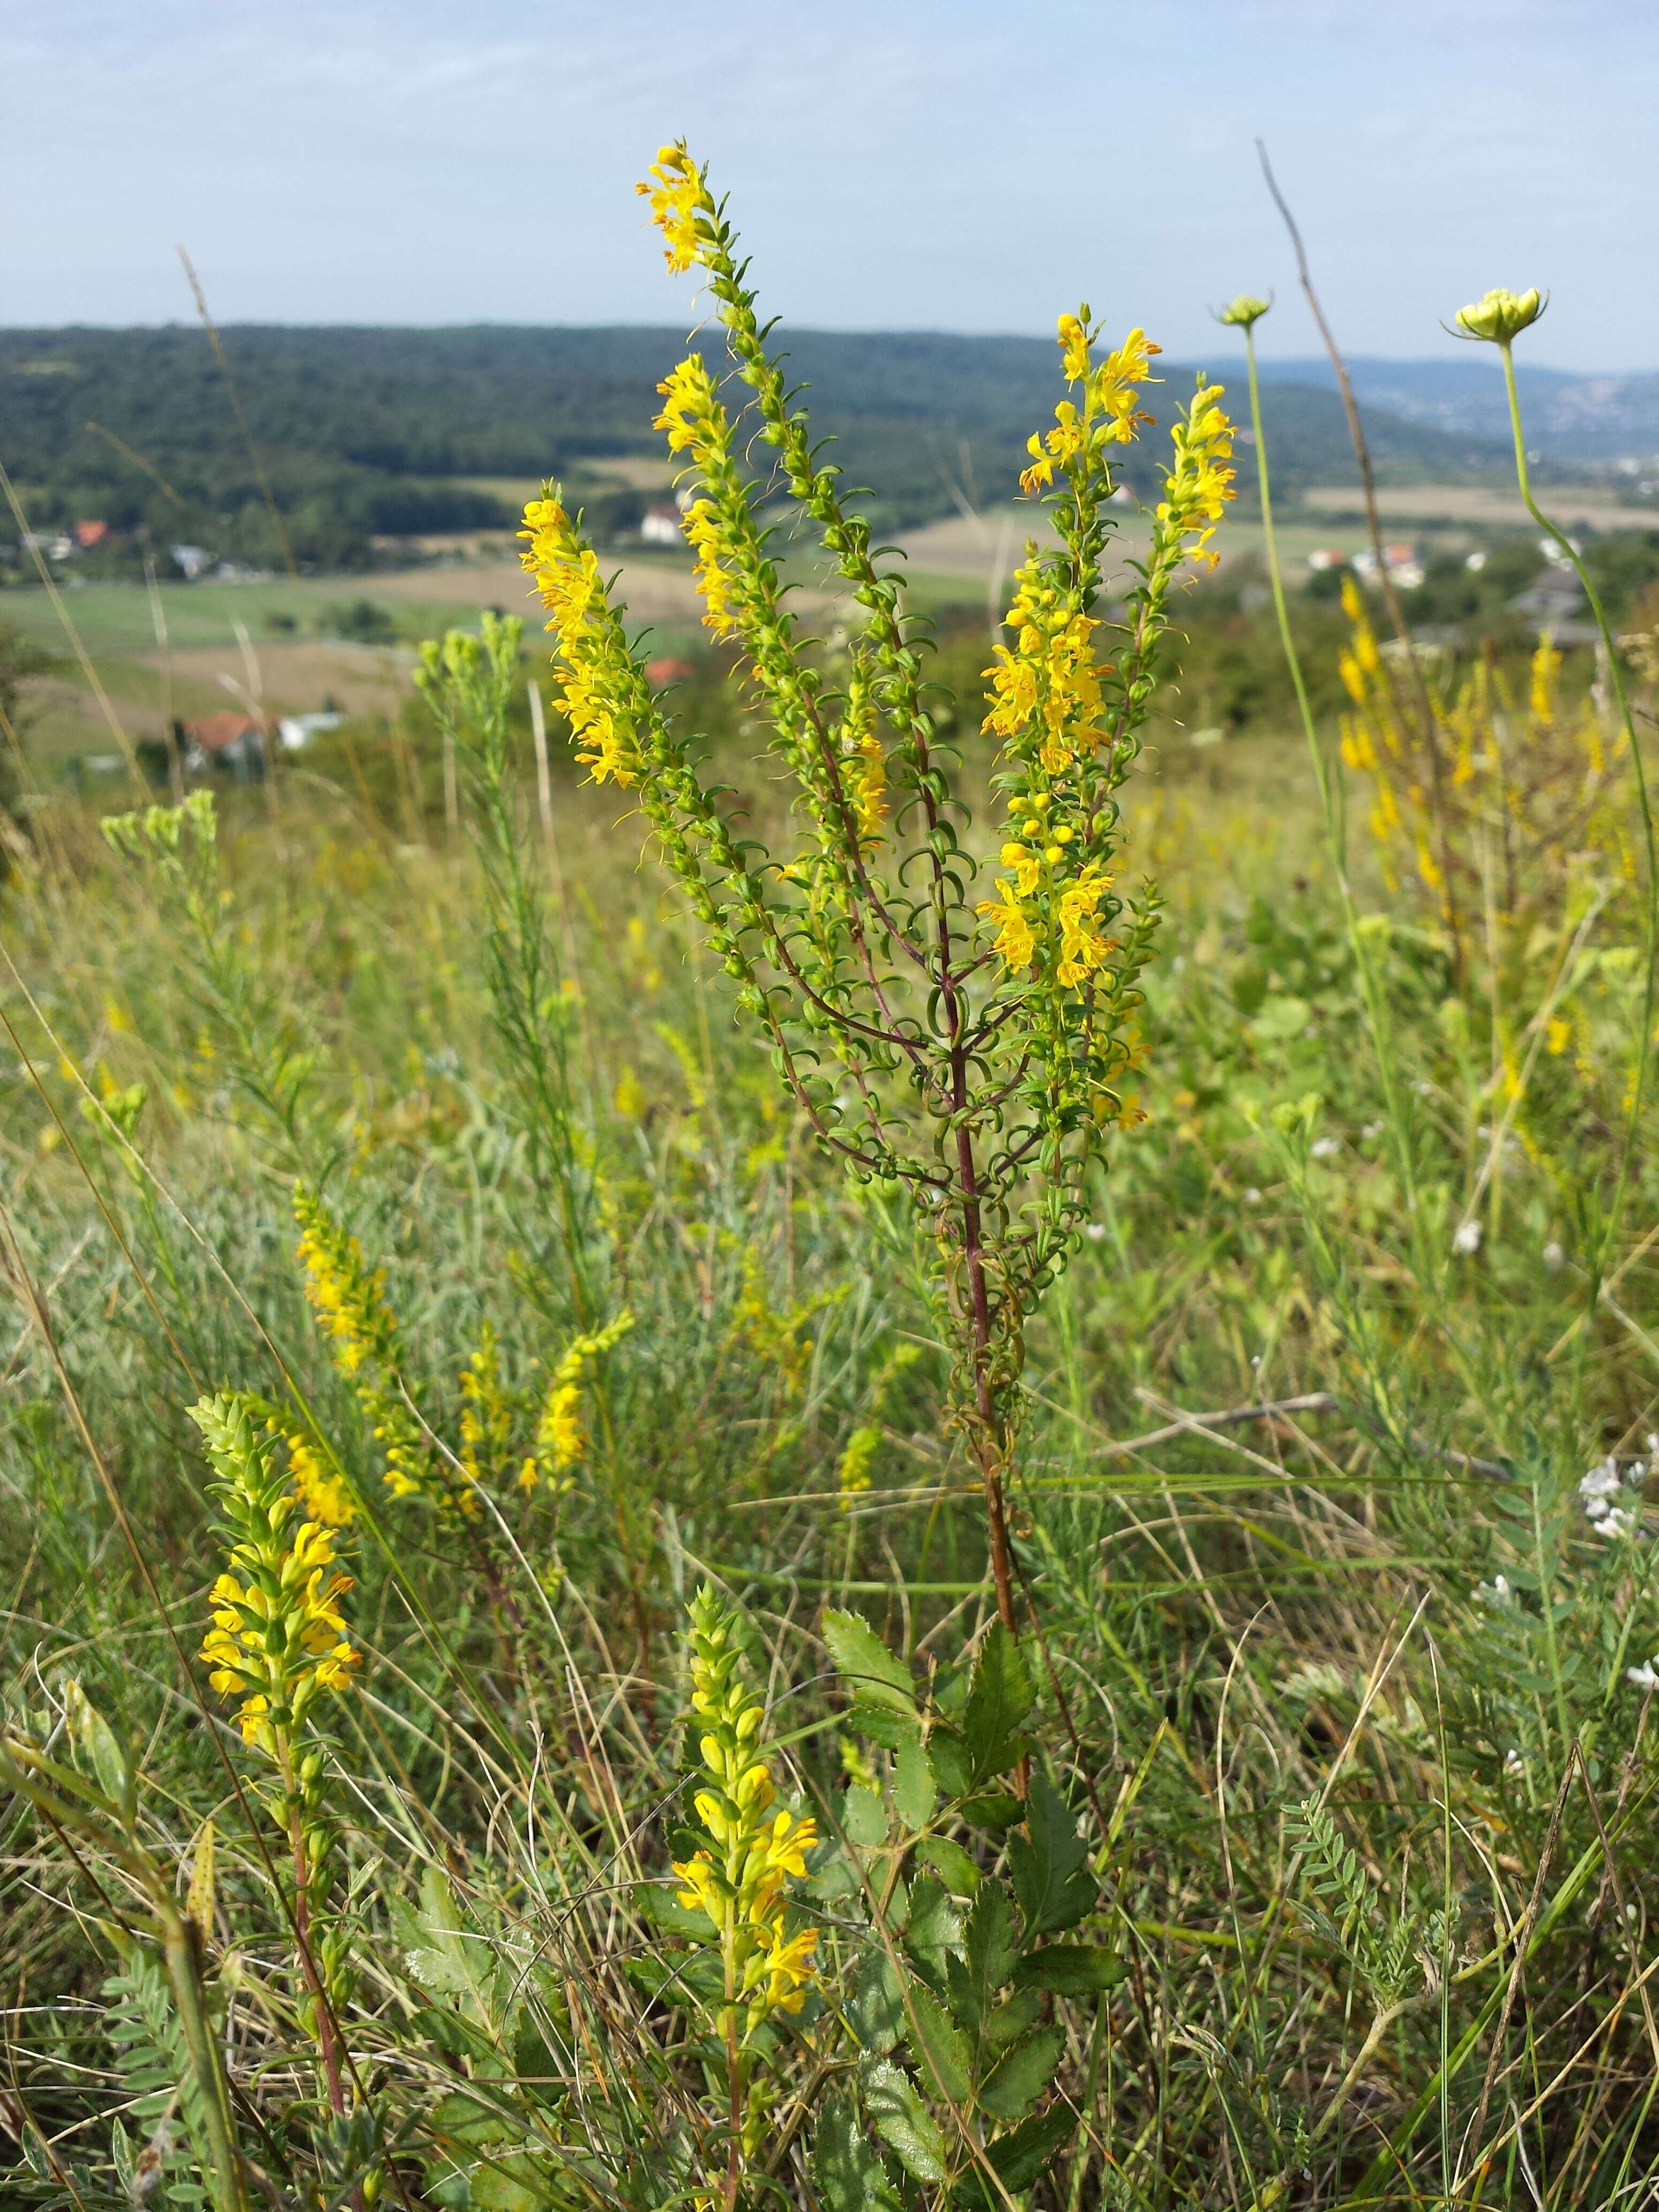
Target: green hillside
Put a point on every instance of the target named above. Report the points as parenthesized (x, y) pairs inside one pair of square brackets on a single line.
[(381, 432)]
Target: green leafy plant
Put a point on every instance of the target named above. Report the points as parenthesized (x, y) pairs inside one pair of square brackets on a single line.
[(968, 1050)]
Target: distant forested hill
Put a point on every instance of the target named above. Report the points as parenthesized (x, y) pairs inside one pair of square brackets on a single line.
[(367, 431)]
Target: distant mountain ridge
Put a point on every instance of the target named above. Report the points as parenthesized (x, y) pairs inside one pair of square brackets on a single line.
[(1569, 416)]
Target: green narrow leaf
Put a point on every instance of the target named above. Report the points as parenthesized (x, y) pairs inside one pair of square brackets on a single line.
[(1021, 2075), (847, 2170), (999, 1699), (902, 2121), (1049, 1880), (862, 1659), (1070, 1970), (914, 1791), (199, 1897)]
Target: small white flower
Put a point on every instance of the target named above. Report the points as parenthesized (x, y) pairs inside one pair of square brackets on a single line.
[(1598, 1487), (1497, 1592), (1645, 1677), (1468, 1238), (1326, 1148), (1373, 1128), (1426, 1090), (1253, 1196), (1615, 1522), (1094, 1231), (1555, 1257), (1513, 1762)]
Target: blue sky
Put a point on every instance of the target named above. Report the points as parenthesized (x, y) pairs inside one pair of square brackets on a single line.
[(920, 164)]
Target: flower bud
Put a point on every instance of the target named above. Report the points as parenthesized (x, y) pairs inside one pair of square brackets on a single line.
[(1246, 310), (1501, 316)]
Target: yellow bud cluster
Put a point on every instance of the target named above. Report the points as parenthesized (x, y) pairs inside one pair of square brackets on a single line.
[(739, 1883)]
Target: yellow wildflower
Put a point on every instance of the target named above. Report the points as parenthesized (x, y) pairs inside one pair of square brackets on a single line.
[(596, 680), (678, 196), (322, 1493), (1198, 484), (561, 1440), (1082, 947), (1074, 346), (1546, 666), (1015, 939)]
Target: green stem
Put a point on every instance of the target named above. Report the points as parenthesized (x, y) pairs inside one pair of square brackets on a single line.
[(1651, 914), (1374, 1009), (178, 1951)]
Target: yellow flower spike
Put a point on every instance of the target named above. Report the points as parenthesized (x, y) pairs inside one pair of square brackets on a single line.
[(561, 1440), (739, 1880), (278, 1639), (678, 196)]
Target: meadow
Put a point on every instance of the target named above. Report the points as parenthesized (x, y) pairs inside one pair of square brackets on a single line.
[(546, 1661)]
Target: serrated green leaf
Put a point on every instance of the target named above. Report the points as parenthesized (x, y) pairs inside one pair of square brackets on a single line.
[(1022, 2074), (938, 2044), (1019, 2159), (914, 1791), (1049, 1880), (863, 1662), (847, 2170), (999, 1699), (995, 1809), (951, 1764), (863, 1817), (989, 1950), (883, 1724), (950, 1863), (1070, 1970), (1010, 2020), (933, 1927), (876, 2013), (902, 2121)]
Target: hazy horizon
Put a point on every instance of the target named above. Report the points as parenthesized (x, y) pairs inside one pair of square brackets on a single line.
[(950, 168), (1318, 363)]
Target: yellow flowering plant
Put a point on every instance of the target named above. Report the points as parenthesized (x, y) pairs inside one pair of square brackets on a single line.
[(734, 1879), (277, 1646), (964, 1047)]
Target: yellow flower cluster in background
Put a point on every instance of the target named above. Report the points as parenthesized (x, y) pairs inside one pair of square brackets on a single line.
[(348, 1299), (561, 1440)]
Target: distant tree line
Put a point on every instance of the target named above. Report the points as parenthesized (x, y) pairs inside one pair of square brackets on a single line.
[(367, 433)]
